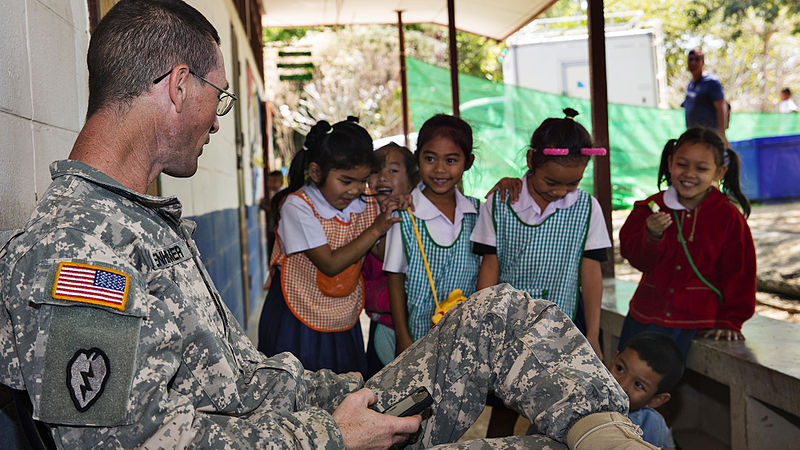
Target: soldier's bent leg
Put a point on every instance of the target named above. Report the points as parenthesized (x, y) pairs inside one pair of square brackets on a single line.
[(501, 339)]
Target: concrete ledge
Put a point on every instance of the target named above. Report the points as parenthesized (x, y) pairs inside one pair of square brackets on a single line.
[(754, 384)]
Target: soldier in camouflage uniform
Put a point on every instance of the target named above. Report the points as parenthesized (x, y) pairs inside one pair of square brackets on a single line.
[(113, 327)]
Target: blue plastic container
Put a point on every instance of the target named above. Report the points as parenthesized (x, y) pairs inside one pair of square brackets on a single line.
[(770, 167)]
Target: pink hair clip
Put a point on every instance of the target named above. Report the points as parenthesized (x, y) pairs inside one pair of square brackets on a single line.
[(593, 151), (556, 151)]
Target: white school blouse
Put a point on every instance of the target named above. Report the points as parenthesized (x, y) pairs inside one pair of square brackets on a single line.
[(528, 210), (439, 226), (299, 229)]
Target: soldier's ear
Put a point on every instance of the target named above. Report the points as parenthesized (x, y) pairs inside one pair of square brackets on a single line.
[(179, 86)]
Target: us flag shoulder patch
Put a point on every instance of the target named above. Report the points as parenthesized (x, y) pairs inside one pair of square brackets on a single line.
[(91, 284)]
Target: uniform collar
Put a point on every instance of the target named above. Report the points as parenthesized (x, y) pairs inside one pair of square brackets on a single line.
[(58, 169), (671, 200), (426, 210), (526, 202), (327, 211)]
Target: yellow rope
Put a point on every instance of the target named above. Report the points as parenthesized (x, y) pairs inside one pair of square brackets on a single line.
[(424, 259)]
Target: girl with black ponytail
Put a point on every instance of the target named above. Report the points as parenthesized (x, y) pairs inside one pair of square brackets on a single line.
[(692, 245), (550, 237), (325, 228)]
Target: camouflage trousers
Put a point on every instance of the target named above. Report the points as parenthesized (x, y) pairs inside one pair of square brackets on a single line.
[(525, 350)]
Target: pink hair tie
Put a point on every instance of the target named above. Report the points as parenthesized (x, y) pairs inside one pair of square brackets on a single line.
[(556, 151), (593, 151)]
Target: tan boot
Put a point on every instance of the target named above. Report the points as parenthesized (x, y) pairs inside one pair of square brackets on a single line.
[(606, 430)]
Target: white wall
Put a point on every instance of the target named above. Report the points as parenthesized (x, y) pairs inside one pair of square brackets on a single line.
[(43, 95), (43, 100)]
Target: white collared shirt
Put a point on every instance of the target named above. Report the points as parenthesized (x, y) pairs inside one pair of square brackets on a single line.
[(299, 229), (441, 230), (671, 199), (529, 211)]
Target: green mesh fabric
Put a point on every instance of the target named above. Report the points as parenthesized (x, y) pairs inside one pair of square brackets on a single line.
[(504, 117)]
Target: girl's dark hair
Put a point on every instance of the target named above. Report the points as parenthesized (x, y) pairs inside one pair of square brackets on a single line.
[(450, 127), (412, 171), (708, 137), (343, 145), (560, 133)]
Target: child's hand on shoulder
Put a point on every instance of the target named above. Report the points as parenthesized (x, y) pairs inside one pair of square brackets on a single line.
[(723, 334), (657, 223), (512, 186)]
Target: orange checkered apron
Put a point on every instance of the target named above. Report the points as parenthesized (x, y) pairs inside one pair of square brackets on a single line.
[(321, 302)]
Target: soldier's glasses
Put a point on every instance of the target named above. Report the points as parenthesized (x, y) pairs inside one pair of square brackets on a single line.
[(225, 98)]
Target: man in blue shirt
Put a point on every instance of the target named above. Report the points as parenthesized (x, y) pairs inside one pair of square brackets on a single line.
[(705, 104)]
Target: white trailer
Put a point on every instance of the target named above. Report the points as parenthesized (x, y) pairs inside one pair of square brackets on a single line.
[(549, 55)]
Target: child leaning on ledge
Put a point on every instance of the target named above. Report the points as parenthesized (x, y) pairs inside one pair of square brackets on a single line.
[(647, 368)]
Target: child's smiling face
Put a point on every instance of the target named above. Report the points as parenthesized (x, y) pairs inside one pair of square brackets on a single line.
[(552, 181), (441, 165), (341, 186), (692, 170), (392, 178)]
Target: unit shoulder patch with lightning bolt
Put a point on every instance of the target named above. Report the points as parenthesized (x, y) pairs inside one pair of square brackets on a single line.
[(89, 363)]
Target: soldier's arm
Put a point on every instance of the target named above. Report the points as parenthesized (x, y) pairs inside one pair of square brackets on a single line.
[(115, 373)]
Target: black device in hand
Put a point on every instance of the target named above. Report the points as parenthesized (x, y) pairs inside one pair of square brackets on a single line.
[(412, 404)]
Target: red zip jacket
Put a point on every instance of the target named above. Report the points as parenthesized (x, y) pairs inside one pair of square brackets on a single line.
[(670, 294)]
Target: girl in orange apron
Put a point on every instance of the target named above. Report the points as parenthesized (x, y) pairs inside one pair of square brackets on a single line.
[(325, 228)]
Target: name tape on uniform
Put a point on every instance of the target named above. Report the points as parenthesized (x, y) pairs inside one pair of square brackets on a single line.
[(167, 256)]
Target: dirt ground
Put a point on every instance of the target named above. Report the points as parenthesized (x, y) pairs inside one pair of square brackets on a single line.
[(776, 232)]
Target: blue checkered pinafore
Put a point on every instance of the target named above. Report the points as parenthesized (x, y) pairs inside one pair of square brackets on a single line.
[(452, 267), (544, 259)]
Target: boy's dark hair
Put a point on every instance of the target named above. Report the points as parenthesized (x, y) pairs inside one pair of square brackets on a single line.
[(706, 136), (343, 145), (451, 127), (275, 173), (662, 354), (138, 41), (560, 133), (412, 171), (787, 91)]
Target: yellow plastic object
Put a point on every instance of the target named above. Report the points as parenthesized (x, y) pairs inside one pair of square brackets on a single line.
[(453, 299)]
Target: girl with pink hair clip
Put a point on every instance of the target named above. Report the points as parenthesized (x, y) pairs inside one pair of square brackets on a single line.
[(549, 237)]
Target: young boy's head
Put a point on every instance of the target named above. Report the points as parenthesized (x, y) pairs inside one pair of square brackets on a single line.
[(647, 368), (275, 181)]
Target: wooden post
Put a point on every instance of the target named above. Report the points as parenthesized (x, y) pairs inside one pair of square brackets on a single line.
[(599, 100), (403, 75), (451, 28)]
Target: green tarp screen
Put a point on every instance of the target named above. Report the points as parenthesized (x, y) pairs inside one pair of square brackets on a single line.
[(504, 117)]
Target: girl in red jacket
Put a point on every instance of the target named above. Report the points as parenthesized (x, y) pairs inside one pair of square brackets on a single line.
[(692, 245)]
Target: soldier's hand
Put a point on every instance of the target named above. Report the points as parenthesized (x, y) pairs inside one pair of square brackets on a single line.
[(363, 428), (658, 222)]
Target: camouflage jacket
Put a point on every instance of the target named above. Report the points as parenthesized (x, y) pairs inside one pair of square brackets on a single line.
[(112, 325)]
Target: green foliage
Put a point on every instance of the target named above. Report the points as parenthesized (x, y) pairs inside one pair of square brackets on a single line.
[(480, 56), (283, 34)]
